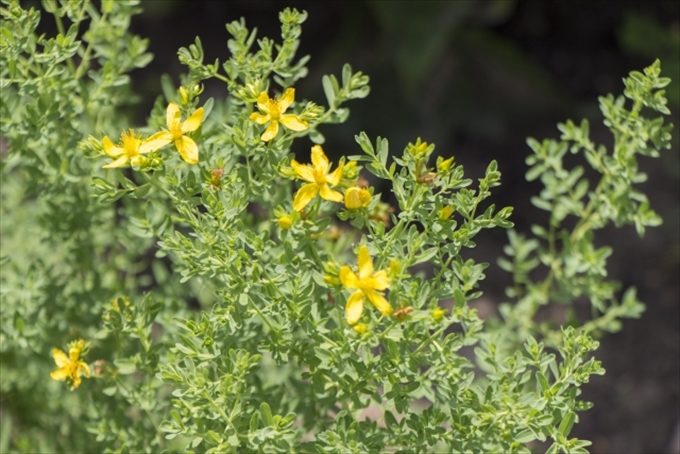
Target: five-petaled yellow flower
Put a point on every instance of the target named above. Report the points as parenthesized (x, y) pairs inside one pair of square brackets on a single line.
[(130, 151), (367, 284), (177, 130), (319, 179), (71, 367), (356, 197), (272, 112)]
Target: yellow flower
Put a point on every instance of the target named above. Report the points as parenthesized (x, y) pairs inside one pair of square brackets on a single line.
[(177, 130), (130, 151), (272, 112), (367, 284), (70, 368), (356, 197), (319, 179), (285, 221), (445, 213)]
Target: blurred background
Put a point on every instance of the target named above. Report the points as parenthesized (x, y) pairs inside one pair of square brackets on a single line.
[(477, 78)]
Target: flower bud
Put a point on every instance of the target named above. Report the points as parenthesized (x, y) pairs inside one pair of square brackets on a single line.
[(444, 165), (216, 177), (427, 178), (420, 149), (356, 197), (394, 268), (437, 313), (285, 222), (349, 170), (183, 96), (402, 312), (445, 213), (330, 275), (360, 328)]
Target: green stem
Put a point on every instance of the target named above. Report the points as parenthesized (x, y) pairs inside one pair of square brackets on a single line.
[(222, 78), (259, 312), (434, 335)]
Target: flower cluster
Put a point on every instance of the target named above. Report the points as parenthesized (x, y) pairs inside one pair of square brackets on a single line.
[(132, 147), (321, 181)]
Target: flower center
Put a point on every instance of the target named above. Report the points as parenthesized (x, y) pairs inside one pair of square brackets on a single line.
[(176, 130), (131, 144), (274, 111), (365, 283), (319, 177), (72, 369)]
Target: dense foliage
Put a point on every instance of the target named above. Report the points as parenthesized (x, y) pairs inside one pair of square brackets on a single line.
[(211, 293)]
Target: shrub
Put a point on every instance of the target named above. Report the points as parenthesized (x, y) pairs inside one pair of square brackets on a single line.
[(199, 289)]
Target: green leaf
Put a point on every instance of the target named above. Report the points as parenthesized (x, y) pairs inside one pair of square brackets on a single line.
[(266, 413), (567, 423)]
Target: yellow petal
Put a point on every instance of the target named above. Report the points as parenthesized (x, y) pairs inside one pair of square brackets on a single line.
[(194, 121), (120, 162), (303, 171), (59, 374), (259, 118), (354, 307), (293, 122), (334, 177), (188, 149), (327, 193), (379, 302), (84, 369), (156, 141), (172, 116), (60, 358), (76, 382), (319, 160), (379, 280), (365, 197), (271, 131), (304, 195), (74, 353), (286, 99), (263, 102), (111, 149), (365, 262), (348, 278)]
